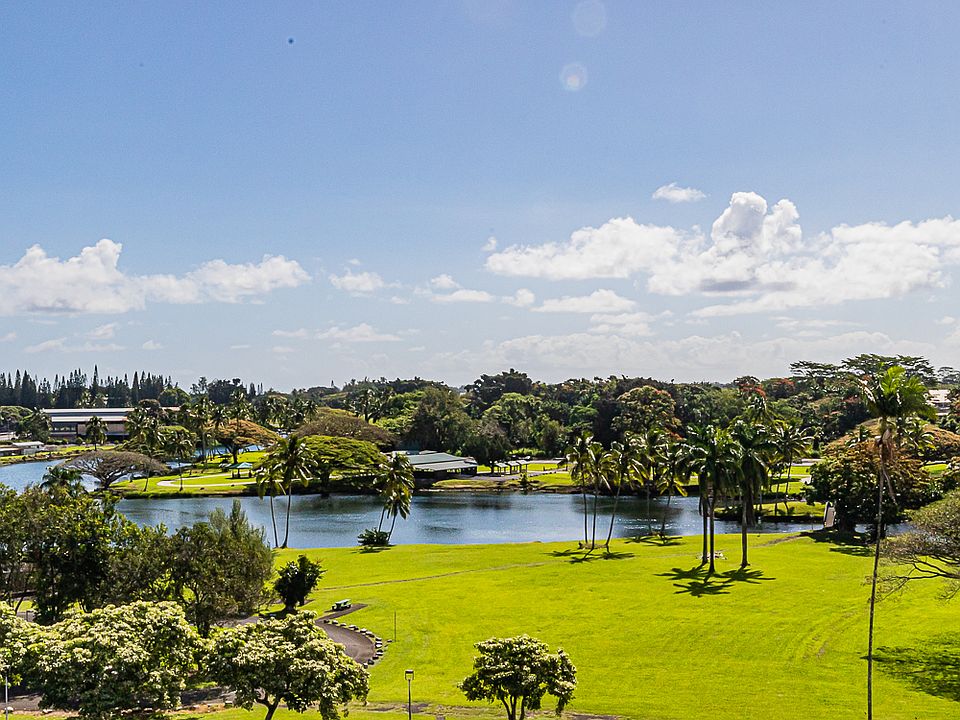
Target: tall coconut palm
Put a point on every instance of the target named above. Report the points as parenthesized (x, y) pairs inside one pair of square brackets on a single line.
[(398, 490), (239, 408), (623, 466), (218, 419), (270, 485), (650, 446), (676, 474), (181, 444), (395, 479), (581, 457), (715, 456), (96, 432), (291, 459), (892, 398), (791, 442), (60, 478), (198, 417), (757, 450)]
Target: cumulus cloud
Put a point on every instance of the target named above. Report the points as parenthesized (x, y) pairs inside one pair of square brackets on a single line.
[(92, 282), (490, 245), (362, 283), (151, 345), (8, 337), (619, 248), (521, 298), (463, 295), (443, 282), (103, 332), (61, 345), (299, 334), (755, 258), (599, 301), (673, 193), (362, 333), (635, 324)]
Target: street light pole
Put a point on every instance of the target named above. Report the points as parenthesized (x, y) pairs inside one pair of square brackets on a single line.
[(409, 676)]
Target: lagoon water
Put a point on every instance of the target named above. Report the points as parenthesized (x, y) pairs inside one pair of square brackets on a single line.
[(436, 517)]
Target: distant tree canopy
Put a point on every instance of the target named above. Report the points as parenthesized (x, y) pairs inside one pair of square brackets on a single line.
[(340, 423), (350, 460), (109, 466)]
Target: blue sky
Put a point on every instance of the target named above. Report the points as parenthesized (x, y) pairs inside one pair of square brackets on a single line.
[(313, 192)]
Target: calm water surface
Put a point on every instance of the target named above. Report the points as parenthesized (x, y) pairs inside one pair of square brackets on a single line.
[(440, 518)]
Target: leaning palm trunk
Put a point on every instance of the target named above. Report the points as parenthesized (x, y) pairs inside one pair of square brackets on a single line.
[(286, 527), (583, 492), (593, 535), (616, 501), (273, 518), (393, 521)]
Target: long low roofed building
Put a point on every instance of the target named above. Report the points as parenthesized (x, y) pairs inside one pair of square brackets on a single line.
[(433, 465), (72, 423)]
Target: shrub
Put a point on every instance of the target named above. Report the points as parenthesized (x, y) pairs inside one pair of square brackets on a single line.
[(371, 537), (297, 579)]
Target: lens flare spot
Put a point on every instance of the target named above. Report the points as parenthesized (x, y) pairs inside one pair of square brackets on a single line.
[(573, 77)]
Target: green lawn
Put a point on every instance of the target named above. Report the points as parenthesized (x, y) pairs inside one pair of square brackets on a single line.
[(206, 479), (650, 636)]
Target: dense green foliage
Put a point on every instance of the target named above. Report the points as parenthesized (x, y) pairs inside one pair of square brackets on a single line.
[(289, 660), (296, 580)]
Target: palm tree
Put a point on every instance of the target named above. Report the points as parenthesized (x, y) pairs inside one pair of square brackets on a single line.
[(581, 458), (239, 408), (622, 463), (198, 417), (650, 446), (218, 419), (791, 441), (715, 456), (756, 451), (396, 490), (96, 432), (269, 484), (676, 474), (892, 398), (396, 483), (181, 444), (290, 459), (58, 478)]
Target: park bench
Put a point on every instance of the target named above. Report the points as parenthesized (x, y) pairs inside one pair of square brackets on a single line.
[(341, 605)]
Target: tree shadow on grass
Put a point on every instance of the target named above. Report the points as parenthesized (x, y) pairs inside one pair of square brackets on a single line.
[(846, 543), (698, 582), (933, 668), (582, 556), (656, 540), (366, 550)]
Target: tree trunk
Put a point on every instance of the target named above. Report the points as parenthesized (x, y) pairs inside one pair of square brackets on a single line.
[(383, 511), (286, 528), (703, 516), (586, 537), (710, 504), (649, 517), (273, 518), (743, 533), (881, 480), (393, 522), (616, 501), (593, 534), (663, 520), (271, 708)]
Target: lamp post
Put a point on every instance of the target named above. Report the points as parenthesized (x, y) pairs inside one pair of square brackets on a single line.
[(408, 674)]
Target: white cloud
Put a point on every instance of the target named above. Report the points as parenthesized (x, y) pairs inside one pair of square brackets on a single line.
[(152, 345), (946, 320), (60, 345), (282, 349), (244, 346), (619, 248), (9, 337), (755, 258), (464, 296), (675, 194), (300, 334), (55, 344), (443, 282), (361, 333), (490, 245), (103, 332), (361, 283), (636, 324), (599, 301), (521, 298), (92, 282)]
